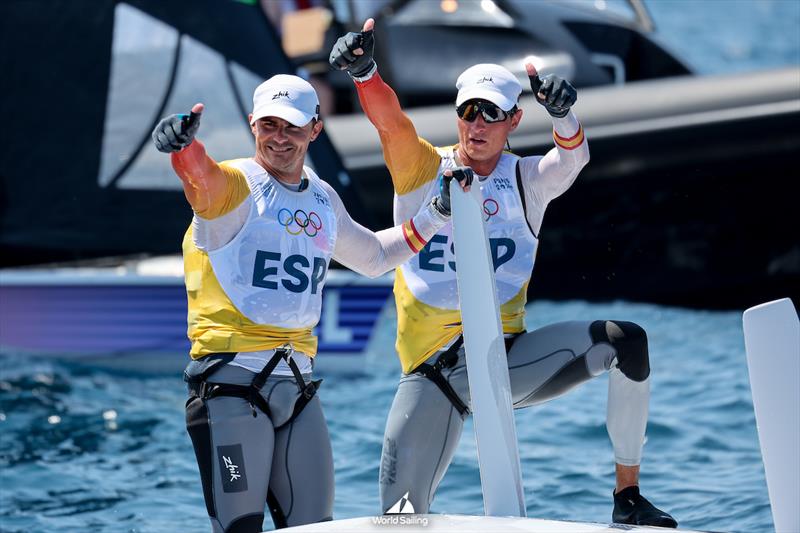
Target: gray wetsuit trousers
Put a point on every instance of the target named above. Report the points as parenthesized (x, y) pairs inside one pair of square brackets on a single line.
[(242, 452), (423, 427)]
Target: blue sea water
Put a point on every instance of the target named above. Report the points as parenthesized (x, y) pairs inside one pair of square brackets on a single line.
[(88, 449), (723, 36), (85, 449)]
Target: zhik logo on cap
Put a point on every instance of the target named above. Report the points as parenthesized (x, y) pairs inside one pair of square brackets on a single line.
[(490, 82), (290, 98)]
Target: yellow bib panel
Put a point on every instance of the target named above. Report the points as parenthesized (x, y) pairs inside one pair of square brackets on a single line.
[(262, 289), (215, 325), (423, 329)]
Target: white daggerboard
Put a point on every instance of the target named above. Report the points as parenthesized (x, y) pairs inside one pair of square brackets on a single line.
[(487, 366), (772, 342)]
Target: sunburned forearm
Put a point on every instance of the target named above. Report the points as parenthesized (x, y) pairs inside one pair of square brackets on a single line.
[(203, 180), (382, 107), (411, 160)]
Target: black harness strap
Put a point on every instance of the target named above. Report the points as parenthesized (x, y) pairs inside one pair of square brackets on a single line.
[(309, 390), (448, 359), (206, 391), (261, 377), (199, 369), (522, 197), (252, 393), (433, 372)]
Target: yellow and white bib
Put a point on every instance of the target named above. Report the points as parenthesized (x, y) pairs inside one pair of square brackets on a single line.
[(426, 291), (264, 287)]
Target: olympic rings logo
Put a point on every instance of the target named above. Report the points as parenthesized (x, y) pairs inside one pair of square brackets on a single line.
[(300, 222), (490, 208)]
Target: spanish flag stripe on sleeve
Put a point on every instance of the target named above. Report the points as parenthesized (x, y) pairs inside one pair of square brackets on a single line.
[(569, 143), (408, 241), (416, 233), (413, 239)]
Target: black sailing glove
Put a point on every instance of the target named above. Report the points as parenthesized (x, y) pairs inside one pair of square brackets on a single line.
[(463, 175), (556, 94), (343, 55), (176, 132)]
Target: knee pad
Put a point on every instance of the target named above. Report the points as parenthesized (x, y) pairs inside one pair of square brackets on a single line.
[(630, 342)]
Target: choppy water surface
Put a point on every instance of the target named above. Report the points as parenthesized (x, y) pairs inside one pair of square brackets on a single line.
[(87, 449), (96, 450)]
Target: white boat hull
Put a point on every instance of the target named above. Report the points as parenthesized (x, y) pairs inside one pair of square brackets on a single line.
[(428, 523)]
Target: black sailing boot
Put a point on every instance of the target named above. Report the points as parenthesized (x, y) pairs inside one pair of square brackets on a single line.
[(630, 507)]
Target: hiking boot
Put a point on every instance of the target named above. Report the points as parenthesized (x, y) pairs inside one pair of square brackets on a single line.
[(630, 507)]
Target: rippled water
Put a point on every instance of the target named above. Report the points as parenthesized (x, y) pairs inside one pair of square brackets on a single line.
[(719, 36), (94, 450), (85, 449)]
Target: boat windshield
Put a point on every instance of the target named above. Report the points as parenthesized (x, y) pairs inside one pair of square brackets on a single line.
[(478, 12), (633, 11), (443, 12)]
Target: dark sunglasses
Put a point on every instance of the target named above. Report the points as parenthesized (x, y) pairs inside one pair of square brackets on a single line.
[(491, 113)]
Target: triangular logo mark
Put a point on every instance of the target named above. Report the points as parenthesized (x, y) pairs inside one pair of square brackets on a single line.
[(403, 506)]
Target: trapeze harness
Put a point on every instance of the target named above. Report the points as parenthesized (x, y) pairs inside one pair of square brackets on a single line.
[(200, 388)]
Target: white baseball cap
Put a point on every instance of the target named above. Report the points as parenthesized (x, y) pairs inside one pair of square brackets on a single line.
[(288, 97), (491, 82)]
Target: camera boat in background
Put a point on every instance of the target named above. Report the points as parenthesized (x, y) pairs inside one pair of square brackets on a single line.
[(685, 201)]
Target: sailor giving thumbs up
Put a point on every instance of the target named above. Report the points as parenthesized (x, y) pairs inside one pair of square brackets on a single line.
[(556, 94), (176, 132), (353, 52)]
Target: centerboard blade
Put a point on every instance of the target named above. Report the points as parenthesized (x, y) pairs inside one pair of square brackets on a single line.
[(487, 364), (772, 342)]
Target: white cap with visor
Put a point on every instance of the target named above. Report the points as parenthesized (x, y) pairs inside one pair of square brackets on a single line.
[(487, 81), (288, 97)]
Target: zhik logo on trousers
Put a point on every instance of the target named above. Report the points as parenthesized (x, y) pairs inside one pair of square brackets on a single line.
[(231, 468)]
